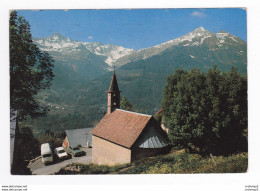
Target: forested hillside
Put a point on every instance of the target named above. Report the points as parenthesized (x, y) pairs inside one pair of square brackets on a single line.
[(77, 102)]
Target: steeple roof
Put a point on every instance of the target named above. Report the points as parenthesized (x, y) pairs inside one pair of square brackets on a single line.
[(113, 85)]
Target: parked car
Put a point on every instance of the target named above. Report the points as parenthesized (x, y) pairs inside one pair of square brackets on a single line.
[(61, 153), (75, 151), (46, 153)]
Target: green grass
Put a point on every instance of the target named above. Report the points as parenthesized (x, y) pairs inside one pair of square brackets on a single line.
[(194, 163), (179, 162)]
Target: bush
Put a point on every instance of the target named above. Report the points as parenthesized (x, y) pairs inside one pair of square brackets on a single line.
[(151, 165), (191, 163), (95, 169), (50, 138), (160, 168)]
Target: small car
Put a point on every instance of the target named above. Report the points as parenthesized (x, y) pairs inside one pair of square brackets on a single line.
[(61, 153), (75, 151)]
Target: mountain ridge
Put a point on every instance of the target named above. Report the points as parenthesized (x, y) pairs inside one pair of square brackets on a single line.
[(60, 43), (115, 55), (200, 32), (82, 77)]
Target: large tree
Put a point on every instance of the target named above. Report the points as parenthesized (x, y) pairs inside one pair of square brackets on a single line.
[(30, 69), (206, 112)]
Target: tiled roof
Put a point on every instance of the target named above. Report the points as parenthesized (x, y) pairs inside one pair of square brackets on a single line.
[(121, 127)]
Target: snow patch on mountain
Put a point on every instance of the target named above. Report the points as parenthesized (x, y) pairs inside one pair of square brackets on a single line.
[(63, 44), (54, 42), (200, 33), (233, 38), (221, 36)]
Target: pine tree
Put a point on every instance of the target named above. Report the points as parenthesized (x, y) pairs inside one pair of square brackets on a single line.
[(30, 69)]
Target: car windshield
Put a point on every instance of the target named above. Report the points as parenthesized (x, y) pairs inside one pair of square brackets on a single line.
[(61, 151), (46, 155)]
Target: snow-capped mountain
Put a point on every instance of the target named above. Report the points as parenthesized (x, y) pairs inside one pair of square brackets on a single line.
[(82, 69), (83, 61), (112, 52), (200, 34), (114, 55), (197, 37), (56, 42), (64, 45)]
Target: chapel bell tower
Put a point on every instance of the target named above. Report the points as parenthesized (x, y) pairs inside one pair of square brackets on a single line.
[(113, 95)]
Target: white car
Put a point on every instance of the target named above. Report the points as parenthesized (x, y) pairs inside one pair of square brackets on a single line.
[(61, 153), (46, 153)]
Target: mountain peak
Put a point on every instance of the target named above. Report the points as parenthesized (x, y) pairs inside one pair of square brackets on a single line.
[(200, 30), (198, 33), (57, 36)]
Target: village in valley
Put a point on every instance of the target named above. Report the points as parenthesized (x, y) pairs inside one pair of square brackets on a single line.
[(82, 107)]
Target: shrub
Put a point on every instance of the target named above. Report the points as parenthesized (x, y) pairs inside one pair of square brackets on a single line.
[(191, 163), (95, 169), (48, 138), (160, 168), (151, 165)]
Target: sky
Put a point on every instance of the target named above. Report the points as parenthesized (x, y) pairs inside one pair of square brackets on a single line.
[(134, 28)]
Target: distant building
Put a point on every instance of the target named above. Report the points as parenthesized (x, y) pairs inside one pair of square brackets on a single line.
[(123, 136), (78, 137)]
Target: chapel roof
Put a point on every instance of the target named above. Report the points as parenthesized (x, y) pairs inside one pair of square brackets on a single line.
[(121, 127)]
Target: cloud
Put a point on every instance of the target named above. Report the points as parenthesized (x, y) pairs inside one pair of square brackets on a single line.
[(90, 37), (198, 14)]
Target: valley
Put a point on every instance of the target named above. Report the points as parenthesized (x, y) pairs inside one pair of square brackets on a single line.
[(83, 71)]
